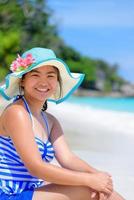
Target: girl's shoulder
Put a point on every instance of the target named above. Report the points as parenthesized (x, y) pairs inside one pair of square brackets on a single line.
[(14, 113), (52, 120), (15, 110)]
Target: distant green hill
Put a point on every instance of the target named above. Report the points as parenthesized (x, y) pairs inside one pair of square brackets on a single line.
[(26, 24)]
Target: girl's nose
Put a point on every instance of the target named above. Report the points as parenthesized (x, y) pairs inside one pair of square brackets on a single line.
[(43, 82)]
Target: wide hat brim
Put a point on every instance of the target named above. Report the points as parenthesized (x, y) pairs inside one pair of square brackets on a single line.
[(70, 81)]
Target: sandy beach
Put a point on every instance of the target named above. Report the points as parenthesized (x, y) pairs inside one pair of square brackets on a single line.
[(105, 139)]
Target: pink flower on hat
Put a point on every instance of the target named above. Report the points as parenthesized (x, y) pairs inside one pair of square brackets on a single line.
[(21, 64)]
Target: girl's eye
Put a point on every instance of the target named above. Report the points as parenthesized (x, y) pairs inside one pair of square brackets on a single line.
[(36, 75), (51, 76)]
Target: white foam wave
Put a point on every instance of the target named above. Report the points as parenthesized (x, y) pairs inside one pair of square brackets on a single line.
[(121, 122), (110, 131)]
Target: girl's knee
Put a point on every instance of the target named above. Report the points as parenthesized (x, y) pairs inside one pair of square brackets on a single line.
[(54, 191), (87, 194)]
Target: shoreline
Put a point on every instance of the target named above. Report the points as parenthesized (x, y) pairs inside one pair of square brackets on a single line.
[(79, 122), (94, 93)]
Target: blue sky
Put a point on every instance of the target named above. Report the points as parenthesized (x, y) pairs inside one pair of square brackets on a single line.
[(99, 29)]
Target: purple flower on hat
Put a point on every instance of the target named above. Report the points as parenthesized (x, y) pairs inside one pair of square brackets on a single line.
[(21, 64)]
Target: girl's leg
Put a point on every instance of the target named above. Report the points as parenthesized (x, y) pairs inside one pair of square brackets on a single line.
[(60, 192)]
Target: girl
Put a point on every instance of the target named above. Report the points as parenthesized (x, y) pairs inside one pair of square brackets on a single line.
[(30, 137)]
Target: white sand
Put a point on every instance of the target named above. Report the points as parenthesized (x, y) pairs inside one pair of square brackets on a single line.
[(105, 139)]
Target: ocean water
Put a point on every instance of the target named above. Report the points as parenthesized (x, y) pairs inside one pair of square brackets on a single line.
[(105, 103)]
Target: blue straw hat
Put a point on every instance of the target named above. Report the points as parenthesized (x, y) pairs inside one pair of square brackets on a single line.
[(41, 57)]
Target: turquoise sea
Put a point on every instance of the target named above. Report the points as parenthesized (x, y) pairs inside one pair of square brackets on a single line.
[(107, 103)]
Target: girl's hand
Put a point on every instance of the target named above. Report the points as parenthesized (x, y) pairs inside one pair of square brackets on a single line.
[(105, 173), (101, 182), (102, 196)]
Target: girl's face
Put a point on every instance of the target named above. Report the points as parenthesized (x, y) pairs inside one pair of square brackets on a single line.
[(40, 83)]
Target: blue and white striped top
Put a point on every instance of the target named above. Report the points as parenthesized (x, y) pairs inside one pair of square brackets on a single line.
[(14, 177)]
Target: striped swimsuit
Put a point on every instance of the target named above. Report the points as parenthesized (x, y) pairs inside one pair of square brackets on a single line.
[(15, 180)]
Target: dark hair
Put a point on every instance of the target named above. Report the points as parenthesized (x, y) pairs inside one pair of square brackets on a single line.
[(45, 105)]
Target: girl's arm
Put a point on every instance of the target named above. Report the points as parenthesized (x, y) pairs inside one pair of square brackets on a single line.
[(64, 155), (67, 158), (18, 126)]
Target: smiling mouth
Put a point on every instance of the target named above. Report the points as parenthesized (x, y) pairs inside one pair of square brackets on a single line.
[(42, 89)]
